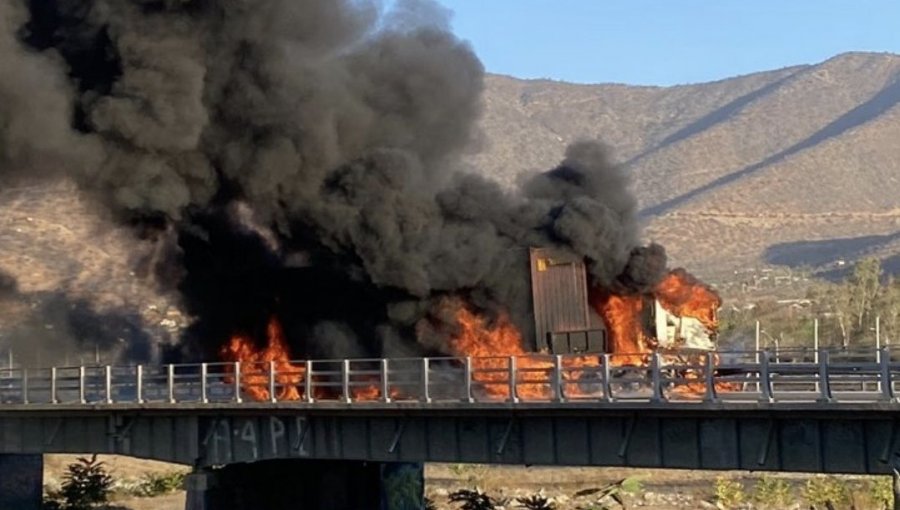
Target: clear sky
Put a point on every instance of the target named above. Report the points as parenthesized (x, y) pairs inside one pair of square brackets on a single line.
[(665, 42)]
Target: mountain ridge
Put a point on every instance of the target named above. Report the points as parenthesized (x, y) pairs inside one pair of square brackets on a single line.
[(814, 143), (821, 143)]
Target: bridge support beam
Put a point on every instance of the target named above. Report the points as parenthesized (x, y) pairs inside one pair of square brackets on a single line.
[(308, 484), (21, 481)]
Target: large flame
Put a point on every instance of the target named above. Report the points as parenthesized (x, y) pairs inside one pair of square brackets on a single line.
[(257, 362), (627, 340), (684, 295), (680, 293), (490, 344), (491, 340)]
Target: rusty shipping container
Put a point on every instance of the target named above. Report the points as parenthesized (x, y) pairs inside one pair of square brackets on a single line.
[(564, 321)]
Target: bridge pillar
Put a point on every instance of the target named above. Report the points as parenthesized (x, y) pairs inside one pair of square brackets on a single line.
[(199, 486), (289, 484), (21, 481), (895, 478)]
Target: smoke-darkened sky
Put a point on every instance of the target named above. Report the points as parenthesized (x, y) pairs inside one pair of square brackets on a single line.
[(666, 42)]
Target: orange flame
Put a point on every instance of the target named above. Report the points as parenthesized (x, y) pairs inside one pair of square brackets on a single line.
[(256, 364), (373, 391), (491, 344), (686, 296), (626, 337)]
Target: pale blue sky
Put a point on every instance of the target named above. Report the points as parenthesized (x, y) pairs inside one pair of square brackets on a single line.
[(665, 42)]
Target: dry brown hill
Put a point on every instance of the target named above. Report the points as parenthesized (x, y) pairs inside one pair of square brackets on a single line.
[(795, 167), (799, 166)]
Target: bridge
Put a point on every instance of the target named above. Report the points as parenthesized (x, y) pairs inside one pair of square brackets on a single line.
[(813, 411)]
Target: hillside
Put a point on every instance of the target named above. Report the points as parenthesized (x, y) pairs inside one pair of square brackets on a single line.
[(740, 172), (797, 167)]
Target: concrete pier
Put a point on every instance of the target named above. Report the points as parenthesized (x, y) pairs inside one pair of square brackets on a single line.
[(21, 481), (307, 485)]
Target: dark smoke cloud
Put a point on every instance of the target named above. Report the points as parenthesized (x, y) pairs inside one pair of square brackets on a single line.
[(303, 160), (646, 267), (592, 209), (8, 284), (35, 107), (52, 328)]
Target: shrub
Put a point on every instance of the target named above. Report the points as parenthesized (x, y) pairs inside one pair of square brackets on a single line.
[(604, 497), (475, 500), (85, 484), (772, 493), (729, 493), (156, 484), (881, 492), (826, 492), (535, 502)]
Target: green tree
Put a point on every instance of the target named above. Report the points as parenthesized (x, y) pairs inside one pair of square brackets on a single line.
[(86, 483), (887, 307), (857, 301), (839, 305), (864, 286)]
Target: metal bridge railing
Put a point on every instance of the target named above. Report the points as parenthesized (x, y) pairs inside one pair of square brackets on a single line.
[(724, 377)]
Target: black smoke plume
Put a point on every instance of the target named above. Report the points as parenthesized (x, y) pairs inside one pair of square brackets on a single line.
[(302, 158), (39, 329)]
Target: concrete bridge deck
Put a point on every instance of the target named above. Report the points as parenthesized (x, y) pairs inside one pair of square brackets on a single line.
[(823, 411)]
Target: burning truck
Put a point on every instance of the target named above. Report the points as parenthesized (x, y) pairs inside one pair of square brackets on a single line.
[(679, 313), (676, 318)]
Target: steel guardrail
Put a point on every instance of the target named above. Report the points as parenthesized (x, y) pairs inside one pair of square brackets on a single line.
[(820, 376)]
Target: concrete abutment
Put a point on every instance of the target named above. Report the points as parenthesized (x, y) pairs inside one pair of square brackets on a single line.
[(21, 481)]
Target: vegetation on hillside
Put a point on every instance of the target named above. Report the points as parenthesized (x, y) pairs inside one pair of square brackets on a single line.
[(853, 313)]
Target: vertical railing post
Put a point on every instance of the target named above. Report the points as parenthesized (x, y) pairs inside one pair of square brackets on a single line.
[(878, 349), (273, 396), (108, 380), (824, 386), (607, 385), (170, 382), (237, 382), (512, 380), (385, 383), (203, 370), (710, 395), (81, 389), (756, 350), (53, 395), (816, 339), (878, 333), (559, 392), (757, 342), (24, 385), (877, 352), (468, 396), (308, 381), (655, 377), (426, 393), (887, 384), (345, 380), (765, 377), (139, 384)]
